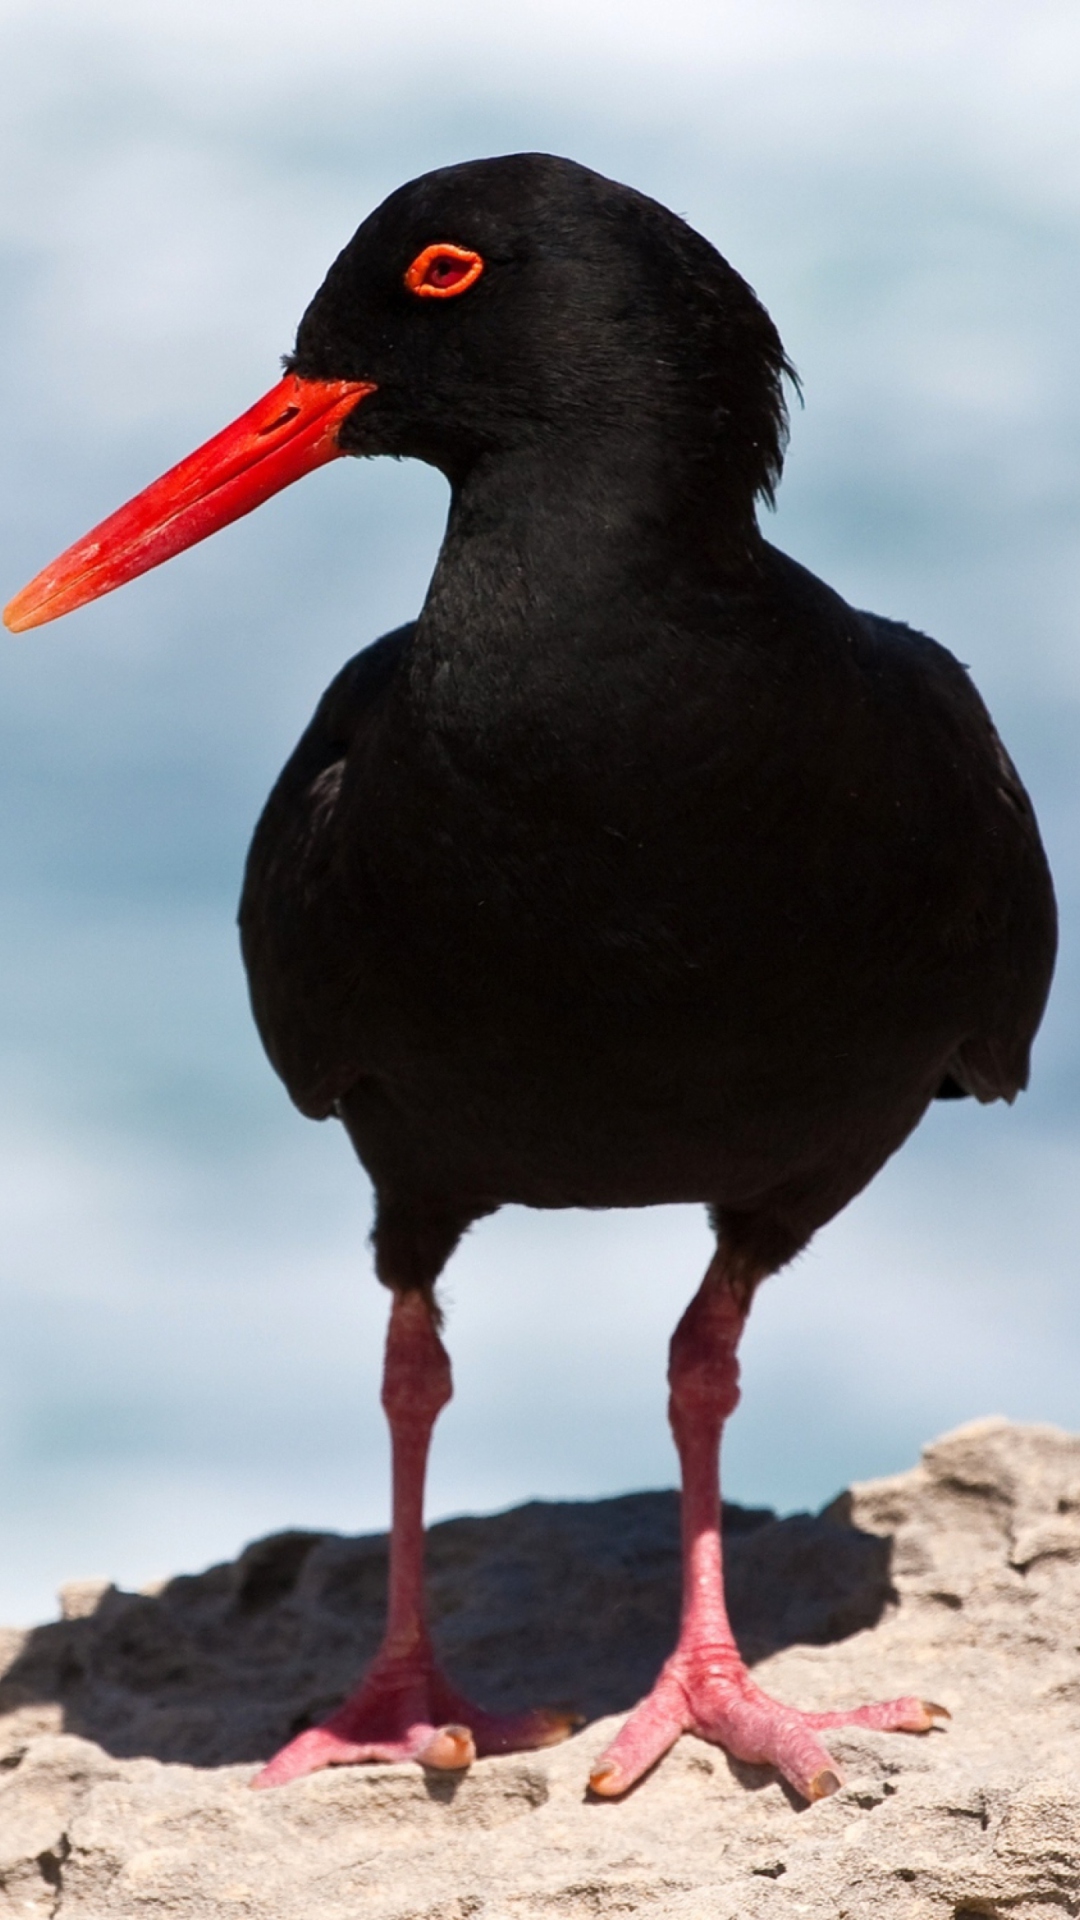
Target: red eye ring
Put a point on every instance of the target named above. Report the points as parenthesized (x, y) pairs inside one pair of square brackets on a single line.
[(443, 271)]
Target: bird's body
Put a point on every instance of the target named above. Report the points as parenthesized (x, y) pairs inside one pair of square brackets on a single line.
[(712, 919), (639, 868)]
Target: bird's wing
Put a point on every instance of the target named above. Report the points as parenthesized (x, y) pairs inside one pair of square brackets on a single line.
[(1009, 928), (294, 919)]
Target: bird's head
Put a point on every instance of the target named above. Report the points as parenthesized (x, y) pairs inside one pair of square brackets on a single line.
[(506, 305)]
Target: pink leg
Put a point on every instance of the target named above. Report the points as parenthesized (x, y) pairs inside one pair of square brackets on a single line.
[(704, 1688), (404, 1709)]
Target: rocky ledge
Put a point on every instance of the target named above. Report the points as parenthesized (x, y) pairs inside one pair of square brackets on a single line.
[(130, 1728)]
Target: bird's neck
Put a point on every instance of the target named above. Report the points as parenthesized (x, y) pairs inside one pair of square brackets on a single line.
[(574, 555), (568, 606)]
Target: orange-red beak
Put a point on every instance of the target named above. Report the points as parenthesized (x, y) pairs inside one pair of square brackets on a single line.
[(292, 429)]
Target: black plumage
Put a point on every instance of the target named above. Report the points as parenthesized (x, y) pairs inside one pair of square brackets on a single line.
[(640, 867)]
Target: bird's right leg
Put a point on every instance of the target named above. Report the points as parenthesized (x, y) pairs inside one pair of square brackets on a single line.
[(404, 1708), (704, 1688)]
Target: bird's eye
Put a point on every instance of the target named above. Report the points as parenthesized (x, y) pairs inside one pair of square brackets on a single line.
[(444, 270)]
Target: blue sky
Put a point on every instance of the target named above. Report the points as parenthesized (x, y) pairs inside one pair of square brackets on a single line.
[(192, 1333)]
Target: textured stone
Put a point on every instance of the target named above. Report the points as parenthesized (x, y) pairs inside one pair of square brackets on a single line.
[(129, 1728)]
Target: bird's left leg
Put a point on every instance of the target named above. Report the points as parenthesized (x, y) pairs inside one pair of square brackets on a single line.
[(705, 1688), (405, 1708)]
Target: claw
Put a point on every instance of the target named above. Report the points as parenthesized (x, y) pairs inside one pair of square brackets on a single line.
[(449, 1750), (934, 1712), (606, 1779), (825, 1782), (559, 1723)]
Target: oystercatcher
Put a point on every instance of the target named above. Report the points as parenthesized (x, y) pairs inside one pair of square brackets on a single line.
[(638, 868)]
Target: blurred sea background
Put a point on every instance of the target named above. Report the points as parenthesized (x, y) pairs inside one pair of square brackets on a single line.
[(191, 1333)]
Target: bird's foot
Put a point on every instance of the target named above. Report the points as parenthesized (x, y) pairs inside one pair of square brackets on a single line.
[(708, 1691), (405, 1709)]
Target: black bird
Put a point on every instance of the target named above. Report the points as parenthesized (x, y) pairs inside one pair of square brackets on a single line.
[(638, 868)]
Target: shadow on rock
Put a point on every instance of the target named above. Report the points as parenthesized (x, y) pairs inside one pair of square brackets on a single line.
[(553, 1602)]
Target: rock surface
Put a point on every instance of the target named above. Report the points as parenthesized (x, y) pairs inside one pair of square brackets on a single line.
[(129, 1728)]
